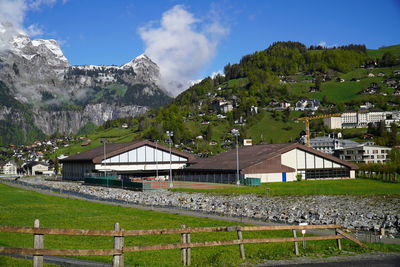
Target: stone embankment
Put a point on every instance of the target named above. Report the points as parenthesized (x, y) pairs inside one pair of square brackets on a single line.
[(354, 212)]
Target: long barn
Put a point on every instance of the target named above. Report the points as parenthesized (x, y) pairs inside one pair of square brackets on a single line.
[(138, 159), (270, 163)]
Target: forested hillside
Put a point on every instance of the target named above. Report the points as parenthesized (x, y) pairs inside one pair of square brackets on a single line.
[(249, 95)]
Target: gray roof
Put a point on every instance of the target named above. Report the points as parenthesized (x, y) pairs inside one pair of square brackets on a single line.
[(96, 155), (251, 155)]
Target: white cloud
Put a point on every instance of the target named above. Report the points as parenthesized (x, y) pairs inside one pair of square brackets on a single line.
[(322, 43), (181, 46), (34, 30), (12, 15)]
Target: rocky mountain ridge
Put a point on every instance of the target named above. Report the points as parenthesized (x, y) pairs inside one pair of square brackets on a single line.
[(62, 98)]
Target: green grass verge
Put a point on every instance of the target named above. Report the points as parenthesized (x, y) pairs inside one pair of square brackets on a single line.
[(378, 53), (319, 187), (20, 207)]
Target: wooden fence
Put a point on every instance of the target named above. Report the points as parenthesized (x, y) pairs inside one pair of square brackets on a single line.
[(186, 244)]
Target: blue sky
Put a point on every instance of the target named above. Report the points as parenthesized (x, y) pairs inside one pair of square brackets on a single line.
[(114, 31)]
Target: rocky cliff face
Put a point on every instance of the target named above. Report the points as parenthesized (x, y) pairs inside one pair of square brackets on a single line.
[(70, 121), (63, 98)]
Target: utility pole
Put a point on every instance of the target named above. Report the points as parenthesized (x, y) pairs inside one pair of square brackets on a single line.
[(104, 142), (170, 134), (236, 133)]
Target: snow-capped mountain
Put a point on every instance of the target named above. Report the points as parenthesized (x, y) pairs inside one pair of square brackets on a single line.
[(37, 74)]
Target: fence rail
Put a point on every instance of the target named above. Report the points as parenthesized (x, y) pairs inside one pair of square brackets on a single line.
[(118, 251)]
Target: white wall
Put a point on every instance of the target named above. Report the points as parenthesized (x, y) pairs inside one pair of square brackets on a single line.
[(299, 159), (272, 177), (144, 154), (138, 167)]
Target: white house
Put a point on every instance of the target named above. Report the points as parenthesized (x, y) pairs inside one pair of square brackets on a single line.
[(9, 167), (364, 153)]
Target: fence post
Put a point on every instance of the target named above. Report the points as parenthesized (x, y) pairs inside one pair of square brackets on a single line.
[(296, 244), (183, 250), (188, 252), (241, 246), (118, 259), (37, 244), (338, 241)]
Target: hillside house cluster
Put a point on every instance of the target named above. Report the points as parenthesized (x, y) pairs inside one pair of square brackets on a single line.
[(307, 104)]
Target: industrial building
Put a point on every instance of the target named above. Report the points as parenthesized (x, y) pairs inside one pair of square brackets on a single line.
[(270, 163), (137, 159)]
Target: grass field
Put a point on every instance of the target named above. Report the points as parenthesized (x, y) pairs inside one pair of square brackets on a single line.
[(330, 187), (20, 207), (275, 131), (378, 53)]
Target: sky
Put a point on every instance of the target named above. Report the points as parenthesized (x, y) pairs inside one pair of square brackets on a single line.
[(190, 40)]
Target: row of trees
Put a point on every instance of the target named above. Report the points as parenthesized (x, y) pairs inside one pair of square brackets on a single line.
[(287, 58)]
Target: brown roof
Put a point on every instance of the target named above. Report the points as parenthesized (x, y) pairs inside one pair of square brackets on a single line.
[(249, 156), (96, 155)]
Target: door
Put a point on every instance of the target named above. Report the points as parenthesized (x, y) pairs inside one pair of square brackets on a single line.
[(283, 176)]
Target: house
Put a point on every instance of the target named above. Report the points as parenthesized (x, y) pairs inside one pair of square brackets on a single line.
[(396, 72), (381, 74), (367, 105), (222, 105), (8, 167), (340, 80), (307, 104), (284, 104), (364, 153), (313, 89), (329, 144), (270, 163), (137, 159), (36, 168), (370, 75), (355, 80)]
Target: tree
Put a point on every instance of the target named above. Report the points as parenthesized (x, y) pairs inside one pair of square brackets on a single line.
[(393, 134), (209, 132), (388, 59)]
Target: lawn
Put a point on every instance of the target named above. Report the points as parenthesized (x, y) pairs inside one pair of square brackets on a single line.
[(329, 187), (269, 130), (378, 53), (20, 207)]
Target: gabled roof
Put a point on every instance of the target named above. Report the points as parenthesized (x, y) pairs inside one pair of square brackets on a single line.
[(96, 155), (252, 155)]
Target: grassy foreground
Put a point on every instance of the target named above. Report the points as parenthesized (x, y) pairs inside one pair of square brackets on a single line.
[(319, 187), (20, 207)]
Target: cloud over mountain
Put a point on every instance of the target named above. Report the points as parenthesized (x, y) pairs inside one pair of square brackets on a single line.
[(181, 45)]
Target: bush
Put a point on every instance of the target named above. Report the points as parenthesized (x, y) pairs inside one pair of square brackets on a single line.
[(299, 177)]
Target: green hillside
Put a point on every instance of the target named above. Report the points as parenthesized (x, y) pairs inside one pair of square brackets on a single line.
[(285, 71), (378, 53)]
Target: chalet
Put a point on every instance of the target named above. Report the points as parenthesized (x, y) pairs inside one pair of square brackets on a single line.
[(355, 80), (284, 104), (137, 159), (370, 75), (307, 104), (340, 80)]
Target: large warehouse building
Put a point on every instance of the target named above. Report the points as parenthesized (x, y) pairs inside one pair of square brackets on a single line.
[(138, 159), (271, 163)]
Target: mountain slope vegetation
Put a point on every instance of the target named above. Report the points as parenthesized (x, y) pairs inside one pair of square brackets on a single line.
[(251, 90)]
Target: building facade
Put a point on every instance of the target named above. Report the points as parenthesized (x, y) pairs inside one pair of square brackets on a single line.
[(137, 159), (329, 145), (270, 163), (364, 153), (9, 167), (359, 119)]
